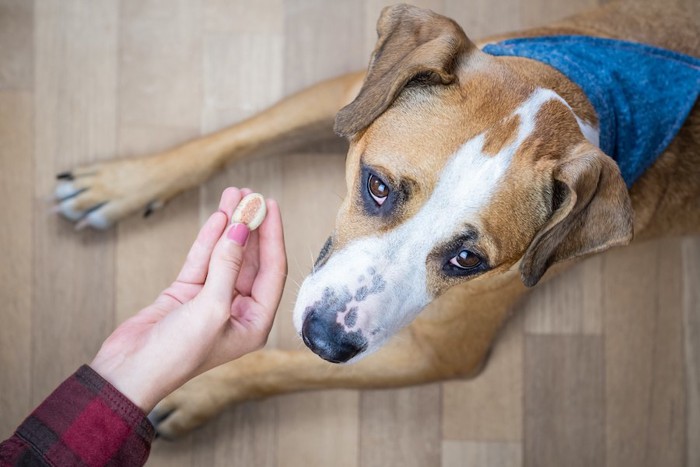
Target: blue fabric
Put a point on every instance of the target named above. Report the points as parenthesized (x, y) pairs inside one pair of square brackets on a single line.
[(642, 94)]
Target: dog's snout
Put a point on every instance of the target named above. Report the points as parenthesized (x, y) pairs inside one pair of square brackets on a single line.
[(328, 339)]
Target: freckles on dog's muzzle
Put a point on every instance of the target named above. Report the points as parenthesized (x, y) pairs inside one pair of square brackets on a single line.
[(328, 339)]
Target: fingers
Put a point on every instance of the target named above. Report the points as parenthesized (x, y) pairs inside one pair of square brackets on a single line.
[(249, 270), (230, 199), (269, 283), (259, 270), (196, 265), (225, 264), (194, 270), (251, 263)]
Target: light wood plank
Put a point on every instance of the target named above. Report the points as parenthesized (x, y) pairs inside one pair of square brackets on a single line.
[(244, 436), (150, 252), (16, 133), (318, 428), (481, 18), (236, 82), (17, 39), (260, 17), (159, 98), (311, 424), (173, 454), (322, 42), (645, 394), (237, 86), (400, 427), (478, 454), (16, 150), (540, 12), (564, 401), (161, 47), (489, 407), (75, 120), (571, 303), (242, 74), (690, 252)]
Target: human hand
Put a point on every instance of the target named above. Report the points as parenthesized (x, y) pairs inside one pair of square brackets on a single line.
[(220, 307)]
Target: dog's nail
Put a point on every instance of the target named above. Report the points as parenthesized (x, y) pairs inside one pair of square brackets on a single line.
[(152, 207), (64, 176)]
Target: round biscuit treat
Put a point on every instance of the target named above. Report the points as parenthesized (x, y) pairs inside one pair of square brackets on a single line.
[(250, 211)]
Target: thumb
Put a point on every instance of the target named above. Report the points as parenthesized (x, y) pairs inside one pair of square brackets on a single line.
[(225, 264)]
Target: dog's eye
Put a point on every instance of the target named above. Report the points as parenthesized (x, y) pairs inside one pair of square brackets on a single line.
[(465, 260), (377, 189)]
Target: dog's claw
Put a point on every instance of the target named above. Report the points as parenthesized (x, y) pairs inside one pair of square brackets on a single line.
[(103, 193), (152, 207), (156, 416), (67, 189)]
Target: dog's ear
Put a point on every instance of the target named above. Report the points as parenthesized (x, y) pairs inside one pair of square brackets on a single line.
[(413, 44), (591, 212)]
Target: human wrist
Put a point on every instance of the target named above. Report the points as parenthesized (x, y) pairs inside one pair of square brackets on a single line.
[(144, 390)]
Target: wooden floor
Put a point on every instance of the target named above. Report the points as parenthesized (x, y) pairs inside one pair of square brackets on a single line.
[(599, 367)]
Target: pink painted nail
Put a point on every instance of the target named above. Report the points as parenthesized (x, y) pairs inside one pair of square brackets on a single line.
[(238, 233)]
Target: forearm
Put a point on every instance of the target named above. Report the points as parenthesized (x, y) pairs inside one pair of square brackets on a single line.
[(84, 421)]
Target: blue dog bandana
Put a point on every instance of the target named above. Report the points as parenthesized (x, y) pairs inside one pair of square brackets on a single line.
[(642, 94)]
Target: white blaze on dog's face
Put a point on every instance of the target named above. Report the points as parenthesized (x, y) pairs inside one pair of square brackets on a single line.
[(452, 182), (416, 219)]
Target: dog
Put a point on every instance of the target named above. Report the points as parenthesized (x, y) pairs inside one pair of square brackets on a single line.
[(472, 171)]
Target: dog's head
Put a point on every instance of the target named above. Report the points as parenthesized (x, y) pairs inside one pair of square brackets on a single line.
[(462, 169)]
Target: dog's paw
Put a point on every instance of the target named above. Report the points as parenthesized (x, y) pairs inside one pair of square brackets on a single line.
[(186, 409), (101, 194)]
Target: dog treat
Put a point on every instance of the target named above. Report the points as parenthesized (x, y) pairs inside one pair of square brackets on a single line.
[(250, 211)]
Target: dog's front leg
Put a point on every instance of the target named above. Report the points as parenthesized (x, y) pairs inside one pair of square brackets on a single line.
[(101, 194), (271, 372), (451, 340)]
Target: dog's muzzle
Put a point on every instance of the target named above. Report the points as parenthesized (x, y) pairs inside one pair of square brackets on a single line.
[(327, 339)]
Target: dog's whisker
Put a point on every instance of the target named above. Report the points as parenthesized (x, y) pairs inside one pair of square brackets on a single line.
[(301, 271)]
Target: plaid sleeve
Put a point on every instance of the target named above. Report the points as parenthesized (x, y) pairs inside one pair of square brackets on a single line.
[(84, 422)]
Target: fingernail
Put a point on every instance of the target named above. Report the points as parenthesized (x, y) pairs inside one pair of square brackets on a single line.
[(238, 233)]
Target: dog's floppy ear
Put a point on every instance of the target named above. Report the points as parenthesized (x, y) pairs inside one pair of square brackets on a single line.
[(591, 212), (412, 43)]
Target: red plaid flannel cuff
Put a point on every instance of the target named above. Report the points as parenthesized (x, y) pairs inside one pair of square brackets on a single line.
[(86, 421)]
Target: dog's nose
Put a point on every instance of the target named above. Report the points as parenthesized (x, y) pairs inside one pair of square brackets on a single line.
[(328, 339)]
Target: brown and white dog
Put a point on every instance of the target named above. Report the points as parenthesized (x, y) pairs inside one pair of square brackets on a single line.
[(468, 177)]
